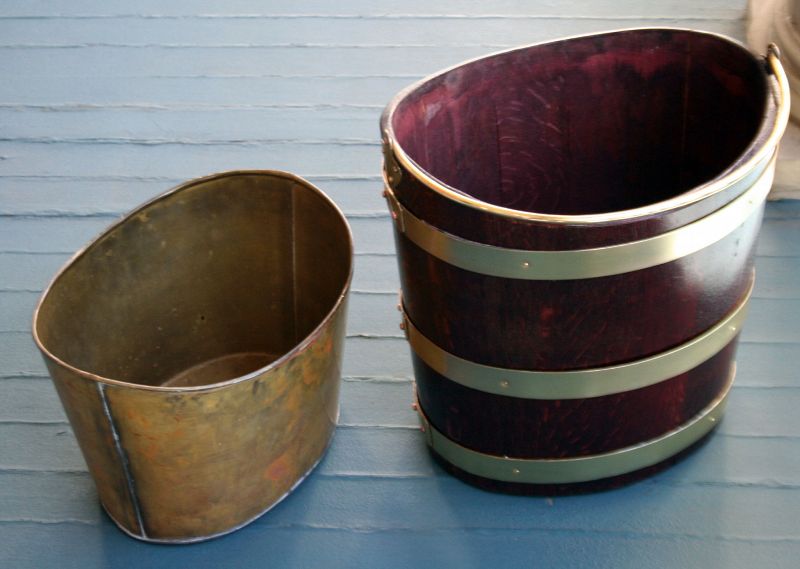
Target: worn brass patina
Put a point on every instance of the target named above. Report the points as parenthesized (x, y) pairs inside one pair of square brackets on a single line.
[(196, 346)]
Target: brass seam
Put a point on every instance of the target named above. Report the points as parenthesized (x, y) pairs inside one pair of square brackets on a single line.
[(581, 383), (581, 468), (123, 459), (596, 262)]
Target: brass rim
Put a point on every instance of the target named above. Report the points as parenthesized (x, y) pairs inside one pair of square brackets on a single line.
[(578, 469), (780, 91), (587, 263), (582, 383), (297, 348)]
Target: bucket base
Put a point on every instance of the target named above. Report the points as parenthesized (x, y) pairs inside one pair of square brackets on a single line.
[(575, 474)]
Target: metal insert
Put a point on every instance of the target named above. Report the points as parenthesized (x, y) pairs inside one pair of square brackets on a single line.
[(196, 346)]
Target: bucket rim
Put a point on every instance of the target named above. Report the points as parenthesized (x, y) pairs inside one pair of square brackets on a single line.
[(756, 150), (298, 347)]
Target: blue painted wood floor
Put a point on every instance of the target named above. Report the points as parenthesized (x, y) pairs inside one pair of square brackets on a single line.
[(104, 104)]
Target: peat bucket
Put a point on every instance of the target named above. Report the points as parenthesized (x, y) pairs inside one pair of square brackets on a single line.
[(196, 347), (575, 224)]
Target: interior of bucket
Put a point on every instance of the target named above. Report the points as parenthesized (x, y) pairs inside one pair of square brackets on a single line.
[(587, 125), (205, 284)]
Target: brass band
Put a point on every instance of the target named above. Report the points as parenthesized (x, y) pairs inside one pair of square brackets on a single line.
[(588, 263), (578, 469), (580, 383)]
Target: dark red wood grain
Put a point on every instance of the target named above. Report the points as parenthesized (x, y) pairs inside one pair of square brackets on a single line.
[(589, 125), (558, 325)]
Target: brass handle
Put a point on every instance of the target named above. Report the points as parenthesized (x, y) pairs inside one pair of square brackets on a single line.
[(783, 102)]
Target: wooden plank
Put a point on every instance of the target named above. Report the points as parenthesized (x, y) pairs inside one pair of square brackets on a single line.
[(778, 237), (782, 209), (767, 365), (30, 400), (121, 126), (298, 33), (204, 65), (113, 197), (186, 161), (373, 357), (24, 272), (16, 310), (246, 9), (147, 93)]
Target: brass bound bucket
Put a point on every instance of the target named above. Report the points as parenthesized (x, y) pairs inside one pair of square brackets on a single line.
[(575, 224), (196, 347)]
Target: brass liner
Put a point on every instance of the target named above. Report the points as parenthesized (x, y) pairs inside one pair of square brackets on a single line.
[(196, 347)]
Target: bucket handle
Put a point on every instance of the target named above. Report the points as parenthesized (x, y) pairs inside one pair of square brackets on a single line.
[(783, 100)]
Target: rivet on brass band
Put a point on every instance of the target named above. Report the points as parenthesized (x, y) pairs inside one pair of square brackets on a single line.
[(578, 469), (588, 263), (581, 383)]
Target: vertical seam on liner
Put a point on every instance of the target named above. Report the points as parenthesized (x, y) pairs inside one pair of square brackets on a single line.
[(123, 458)]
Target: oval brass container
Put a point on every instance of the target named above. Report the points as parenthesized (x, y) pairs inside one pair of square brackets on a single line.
[(196, 347), (575, 224)]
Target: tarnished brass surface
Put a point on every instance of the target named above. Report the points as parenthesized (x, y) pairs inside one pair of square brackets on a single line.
[(196, 346)]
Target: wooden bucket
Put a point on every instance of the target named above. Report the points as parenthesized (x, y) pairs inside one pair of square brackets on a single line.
[(575, 224)]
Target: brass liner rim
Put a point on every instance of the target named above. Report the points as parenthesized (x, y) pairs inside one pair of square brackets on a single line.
[(622, 461), (289, 354), (694, 195), (505, 381)]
